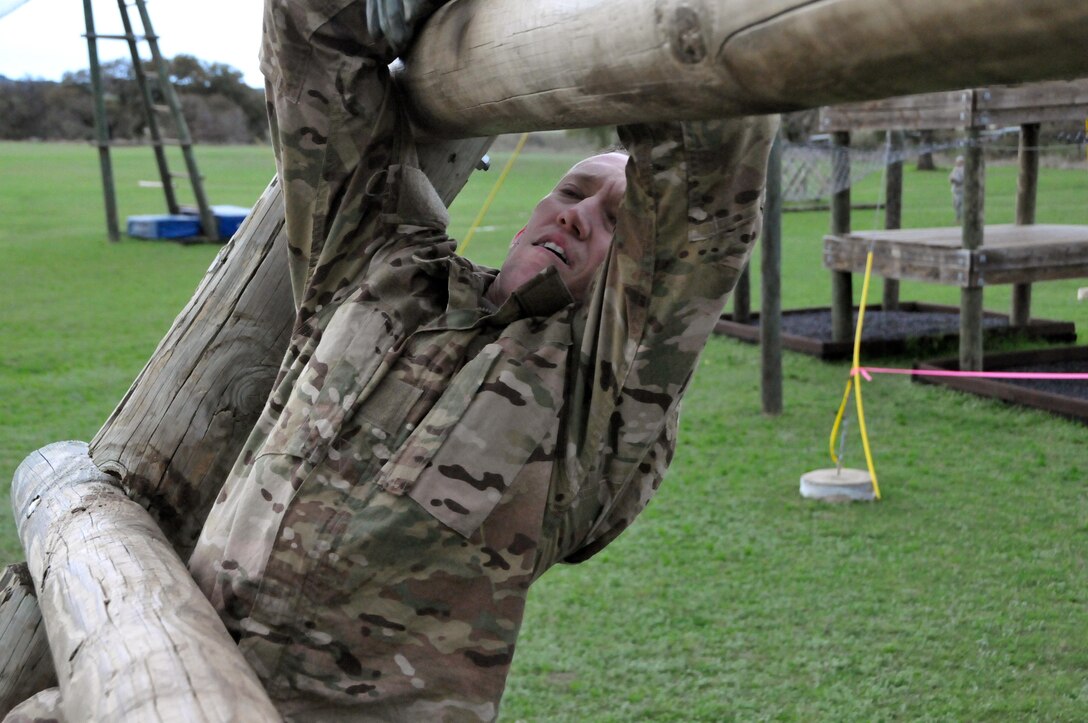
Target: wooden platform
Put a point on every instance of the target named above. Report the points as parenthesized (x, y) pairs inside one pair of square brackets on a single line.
[(827, 350), (1010, 254)]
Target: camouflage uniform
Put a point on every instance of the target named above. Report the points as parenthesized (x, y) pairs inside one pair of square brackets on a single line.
[(425, 456)]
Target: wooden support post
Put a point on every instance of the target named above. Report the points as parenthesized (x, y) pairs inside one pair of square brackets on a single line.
[(770, 315), (132, 636), (893, 207), (842, 285), (25, 665), (974, 191), (1027, 188), (499, 66), (742, 298), (101, 126)]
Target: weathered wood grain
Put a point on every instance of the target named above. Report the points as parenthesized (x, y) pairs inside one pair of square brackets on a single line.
[(500, 66), (1049, 101), (25, 665), (132, 636)]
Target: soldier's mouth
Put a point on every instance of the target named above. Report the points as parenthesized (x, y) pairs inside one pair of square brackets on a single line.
[(557, 250)]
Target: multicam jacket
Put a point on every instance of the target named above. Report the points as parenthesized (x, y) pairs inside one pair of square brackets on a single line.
[(425, 456)]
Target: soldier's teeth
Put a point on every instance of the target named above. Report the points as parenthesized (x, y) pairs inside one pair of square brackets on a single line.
[(556, 250)]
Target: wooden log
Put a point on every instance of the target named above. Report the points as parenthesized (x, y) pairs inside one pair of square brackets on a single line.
[(132, 636), (25, 665), (173, 437), (43, 707), (499, 66), (842, 284)]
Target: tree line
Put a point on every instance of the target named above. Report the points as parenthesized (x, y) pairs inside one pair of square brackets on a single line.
[(218, 107)]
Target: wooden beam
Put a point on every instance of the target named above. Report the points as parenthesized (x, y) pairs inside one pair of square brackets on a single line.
[(497, 66), (1061, 100), (132, 636)]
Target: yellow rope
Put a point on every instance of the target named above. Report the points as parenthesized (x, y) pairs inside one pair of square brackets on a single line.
[(491, 196), (856, 388)]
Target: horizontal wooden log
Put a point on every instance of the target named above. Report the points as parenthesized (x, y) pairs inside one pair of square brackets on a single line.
[(496, 66), (132, 637), (25, 665)]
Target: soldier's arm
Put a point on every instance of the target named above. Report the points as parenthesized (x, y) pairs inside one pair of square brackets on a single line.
[(690, 218), (341, 140)]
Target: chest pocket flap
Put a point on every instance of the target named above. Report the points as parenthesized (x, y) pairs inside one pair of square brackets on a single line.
[(500, 408)]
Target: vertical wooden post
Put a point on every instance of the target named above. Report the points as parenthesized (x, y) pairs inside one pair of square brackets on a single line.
[(101, 125), (974, 189), (893, 207), (742, 298), (770, 315), (1027, 187), (842, 291), (149, 112)]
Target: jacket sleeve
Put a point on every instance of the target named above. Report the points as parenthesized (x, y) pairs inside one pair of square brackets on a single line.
[(690, 217), (344, 153)]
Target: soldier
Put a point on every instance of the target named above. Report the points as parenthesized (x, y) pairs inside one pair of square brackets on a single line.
[(440, 433)]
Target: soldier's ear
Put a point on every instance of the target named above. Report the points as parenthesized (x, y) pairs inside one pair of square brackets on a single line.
[(517, 237)]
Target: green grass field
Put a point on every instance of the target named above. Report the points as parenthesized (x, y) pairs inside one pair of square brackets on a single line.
[(960, 596)]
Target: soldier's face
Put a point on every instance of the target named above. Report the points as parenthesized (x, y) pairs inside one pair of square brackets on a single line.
[(571, 228)]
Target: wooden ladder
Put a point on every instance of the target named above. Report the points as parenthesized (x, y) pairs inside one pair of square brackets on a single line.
[(160, 103)]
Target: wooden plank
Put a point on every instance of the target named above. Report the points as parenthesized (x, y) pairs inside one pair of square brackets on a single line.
[(1025, 264), (1051, 101), (1012, 254), (949, 266), (1048, 101), (946, 109)]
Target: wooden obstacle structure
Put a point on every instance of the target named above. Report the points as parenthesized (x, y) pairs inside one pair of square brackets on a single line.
[(976, 255), (479, 68)]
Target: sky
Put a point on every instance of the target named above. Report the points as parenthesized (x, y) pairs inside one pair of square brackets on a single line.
[(43, 39)]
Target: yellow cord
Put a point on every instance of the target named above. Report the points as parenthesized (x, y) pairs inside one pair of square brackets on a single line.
[(838, 420), (491, 196), (856, 388)]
